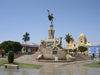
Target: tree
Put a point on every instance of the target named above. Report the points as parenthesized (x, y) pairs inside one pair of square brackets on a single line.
[(11, 45), (75, 50), (68, 39), (82, 48), (16, 46), (26, 38), (0, 46), (6, 45)]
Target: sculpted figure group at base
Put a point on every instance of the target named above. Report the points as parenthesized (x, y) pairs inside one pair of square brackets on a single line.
[(42, 42), (57, 43)]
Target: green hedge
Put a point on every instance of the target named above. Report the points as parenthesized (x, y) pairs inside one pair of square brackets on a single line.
[(11, 57)]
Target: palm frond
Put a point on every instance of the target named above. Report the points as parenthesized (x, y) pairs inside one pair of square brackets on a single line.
[(68, 38), (26, 37)]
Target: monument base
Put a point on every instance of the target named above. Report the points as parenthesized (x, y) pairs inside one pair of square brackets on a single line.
[(51, 54)]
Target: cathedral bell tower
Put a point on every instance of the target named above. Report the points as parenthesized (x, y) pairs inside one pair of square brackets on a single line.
[(82, 40)]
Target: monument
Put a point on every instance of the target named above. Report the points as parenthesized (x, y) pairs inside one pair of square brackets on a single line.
[(51, 48)]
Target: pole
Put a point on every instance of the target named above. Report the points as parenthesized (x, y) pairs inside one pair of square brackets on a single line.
[(68, 48), (25, 47)]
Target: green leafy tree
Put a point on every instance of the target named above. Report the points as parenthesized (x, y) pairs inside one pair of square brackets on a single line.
[(82, 48), (0, 46), (26, 38), (11, 45), (68, 39), (16, 46), (75, 50), (7, 45)]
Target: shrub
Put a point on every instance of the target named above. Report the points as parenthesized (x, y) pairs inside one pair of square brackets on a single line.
[(82, 48), (11, 57), (2, 54), (99, 63)]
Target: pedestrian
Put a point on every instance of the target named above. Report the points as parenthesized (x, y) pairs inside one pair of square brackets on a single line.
[(91, 57)]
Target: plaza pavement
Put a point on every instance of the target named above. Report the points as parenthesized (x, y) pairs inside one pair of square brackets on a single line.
[(62, 68)]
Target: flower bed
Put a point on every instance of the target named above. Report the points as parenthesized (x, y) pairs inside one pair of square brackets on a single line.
[(53, 59), (48, 59), (62, 59)]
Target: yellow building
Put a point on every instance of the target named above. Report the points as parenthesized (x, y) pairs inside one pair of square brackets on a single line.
[(82, 42)]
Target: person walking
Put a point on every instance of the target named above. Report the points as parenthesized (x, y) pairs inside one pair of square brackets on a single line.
[(91, 57)]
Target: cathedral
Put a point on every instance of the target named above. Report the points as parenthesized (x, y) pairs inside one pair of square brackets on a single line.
[(82, 41)]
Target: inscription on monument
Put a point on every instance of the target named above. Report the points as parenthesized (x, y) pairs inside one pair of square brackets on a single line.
[(49, 44)]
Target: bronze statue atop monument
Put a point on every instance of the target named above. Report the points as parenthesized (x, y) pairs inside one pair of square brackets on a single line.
[(51, 30), (50, 16)]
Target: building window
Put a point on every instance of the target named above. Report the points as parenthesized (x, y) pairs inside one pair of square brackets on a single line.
[(89, 50), (54, 52), (97, 50), (74, 45), (81, 40)]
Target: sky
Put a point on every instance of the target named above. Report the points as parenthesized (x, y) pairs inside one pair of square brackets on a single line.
[(71, 16)]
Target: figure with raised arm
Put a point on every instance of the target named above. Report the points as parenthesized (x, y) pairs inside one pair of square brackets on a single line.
[(50, 16)]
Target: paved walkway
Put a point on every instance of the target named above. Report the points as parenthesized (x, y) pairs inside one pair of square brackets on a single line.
[(68, 68), (53, 69)]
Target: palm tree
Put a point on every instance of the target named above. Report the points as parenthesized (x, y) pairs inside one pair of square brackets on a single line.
[(26, 38), (68, 39)]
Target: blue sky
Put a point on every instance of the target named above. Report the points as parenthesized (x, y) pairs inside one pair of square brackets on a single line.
[(71, 16)]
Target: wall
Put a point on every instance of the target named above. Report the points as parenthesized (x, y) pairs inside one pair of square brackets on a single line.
[(33, 48), (47, 53), (93, 49)]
